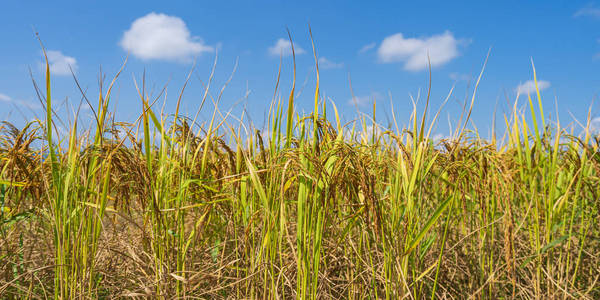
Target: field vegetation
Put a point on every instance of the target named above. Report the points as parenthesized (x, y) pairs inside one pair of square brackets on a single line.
[(170, 206)]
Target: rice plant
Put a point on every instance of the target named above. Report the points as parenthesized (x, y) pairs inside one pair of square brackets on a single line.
[(170, 206)]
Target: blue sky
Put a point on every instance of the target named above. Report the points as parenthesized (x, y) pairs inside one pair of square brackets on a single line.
[(381, 45)]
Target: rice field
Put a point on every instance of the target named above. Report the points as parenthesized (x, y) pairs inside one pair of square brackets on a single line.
[(170, 206)]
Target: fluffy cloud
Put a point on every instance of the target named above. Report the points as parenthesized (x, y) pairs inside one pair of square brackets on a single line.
[(413, 51), (162, 37), (328, 64), (61, 64), (284, 47), (367, 47), (528, 86)]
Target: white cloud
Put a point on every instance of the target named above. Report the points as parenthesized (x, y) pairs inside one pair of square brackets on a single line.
[(328, 64), (283, 47), (363, 100), (359, 100), (162, 37), (369, 131), (588, 11), (367, 47), (413, 52), (5, 98), (30, 105), (595, 125), (528, 87), (61, 64), (438, 137), (460, 77)]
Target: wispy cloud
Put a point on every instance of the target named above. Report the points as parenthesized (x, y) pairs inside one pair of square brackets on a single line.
[(359, 100), (8, 99), (416, 53), (528, 86), (597, 55), (162, 37), (328, 64), (460, 77), (367, 47), (595, 125), (363, 100), (5, 98), (588, 11), (60, 64), (283, 47)]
